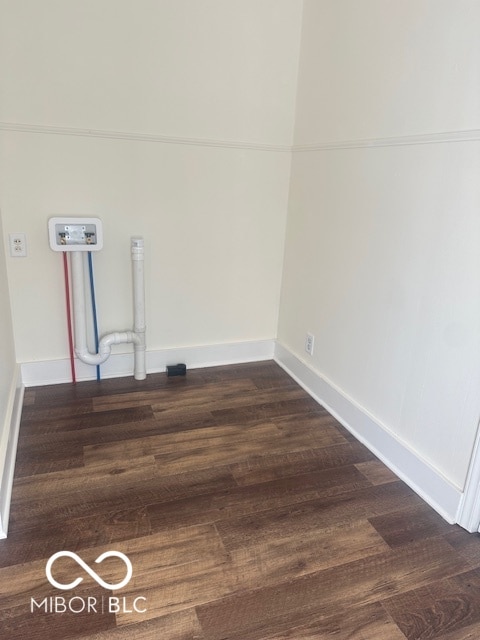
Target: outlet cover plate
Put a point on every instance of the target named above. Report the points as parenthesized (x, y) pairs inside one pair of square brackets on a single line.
[(18, 245)]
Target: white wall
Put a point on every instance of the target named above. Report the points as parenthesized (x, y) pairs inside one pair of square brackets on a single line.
[(8, 372), (167, 118), (11, 397), (382, 262), (381, 68)]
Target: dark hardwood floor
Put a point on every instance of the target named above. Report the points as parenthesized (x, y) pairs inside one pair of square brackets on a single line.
[(247, 513)]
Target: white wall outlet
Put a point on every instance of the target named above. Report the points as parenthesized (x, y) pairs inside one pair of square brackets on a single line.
[(18, 245), (309, 340)]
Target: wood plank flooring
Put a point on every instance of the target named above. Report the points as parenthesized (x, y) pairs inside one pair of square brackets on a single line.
[(246, 510)]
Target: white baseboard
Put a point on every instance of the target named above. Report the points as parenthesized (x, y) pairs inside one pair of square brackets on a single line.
[(8, 449), (121, 365), (426, 481)]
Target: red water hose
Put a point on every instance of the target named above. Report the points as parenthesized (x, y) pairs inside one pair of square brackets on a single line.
[(69, 316)]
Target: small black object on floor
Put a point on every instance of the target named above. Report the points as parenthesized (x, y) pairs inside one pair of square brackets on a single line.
[(176, 370)]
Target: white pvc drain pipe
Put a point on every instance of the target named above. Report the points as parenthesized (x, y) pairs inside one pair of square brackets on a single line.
[(137, 336)]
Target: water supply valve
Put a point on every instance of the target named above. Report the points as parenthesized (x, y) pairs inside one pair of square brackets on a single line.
[(75, 234)]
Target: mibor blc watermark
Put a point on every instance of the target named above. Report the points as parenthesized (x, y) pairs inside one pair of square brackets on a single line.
[(90, 604)]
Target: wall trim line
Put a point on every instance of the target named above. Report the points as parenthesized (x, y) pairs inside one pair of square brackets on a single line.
[(140, 137), (443, 137), (420, 476), (470, 135)]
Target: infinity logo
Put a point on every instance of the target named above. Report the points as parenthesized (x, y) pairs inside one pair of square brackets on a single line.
[(91, 572)]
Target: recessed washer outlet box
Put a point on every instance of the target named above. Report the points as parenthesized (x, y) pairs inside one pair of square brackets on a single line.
[(75, 234)]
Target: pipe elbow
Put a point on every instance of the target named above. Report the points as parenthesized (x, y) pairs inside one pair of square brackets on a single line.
[(118, 337), (105, 344), (94, 359)]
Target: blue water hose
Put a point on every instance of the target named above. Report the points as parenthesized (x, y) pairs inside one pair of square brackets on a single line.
[(94, 307)]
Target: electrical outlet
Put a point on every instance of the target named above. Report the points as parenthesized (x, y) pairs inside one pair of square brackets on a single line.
[(309, 340), (18, 245)]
